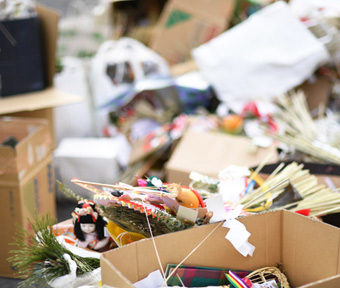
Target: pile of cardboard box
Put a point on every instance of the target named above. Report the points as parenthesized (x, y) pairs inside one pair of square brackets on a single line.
[(27, 180)]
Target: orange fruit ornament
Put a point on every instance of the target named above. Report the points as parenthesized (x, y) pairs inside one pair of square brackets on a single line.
[(232, 124), (185, 196)]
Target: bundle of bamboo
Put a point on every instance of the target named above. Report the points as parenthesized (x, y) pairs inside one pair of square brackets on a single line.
[(306, 192)]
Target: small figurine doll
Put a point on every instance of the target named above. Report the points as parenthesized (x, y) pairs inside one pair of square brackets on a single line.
[(89, 227)]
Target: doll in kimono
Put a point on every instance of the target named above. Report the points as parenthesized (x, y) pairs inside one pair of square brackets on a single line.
[(89, 227)]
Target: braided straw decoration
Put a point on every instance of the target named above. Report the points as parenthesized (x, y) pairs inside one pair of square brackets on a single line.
[(263, 274)]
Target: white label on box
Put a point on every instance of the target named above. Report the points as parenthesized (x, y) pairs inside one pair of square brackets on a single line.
[(30, 154), (41, 152)]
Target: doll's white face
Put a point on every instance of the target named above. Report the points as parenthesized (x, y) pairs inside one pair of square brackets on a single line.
[(87, 227)]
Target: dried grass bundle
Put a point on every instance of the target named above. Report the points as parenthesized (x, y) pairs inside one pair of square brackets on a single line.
[(300, 130), (319, 198)]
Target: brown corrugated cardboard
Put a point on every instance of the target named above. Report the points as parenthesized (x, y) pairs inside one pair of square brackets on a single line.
[(34, 145), (40, 103), (27, 184), (21, 201), (182, 68), (210, 152), (184, 25), (307, 249), (332, 282), (317, 92)]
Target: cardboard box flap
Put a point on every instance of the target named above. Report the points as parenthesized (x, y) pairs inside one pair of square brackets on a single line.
[(210, 152), (331, 282), (20, 128), (131, 269), (299, 258), (47, 98)]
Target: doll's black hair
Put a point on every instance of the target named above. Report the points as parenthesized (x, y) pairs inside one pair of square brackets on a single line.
[(88, 219)]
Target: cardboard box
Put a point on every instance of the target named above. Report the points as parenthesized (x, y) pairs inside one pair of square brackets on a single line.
[(210, 152), (184, 25), (27, 182), (307, 249), (34, 145), (40, 103)]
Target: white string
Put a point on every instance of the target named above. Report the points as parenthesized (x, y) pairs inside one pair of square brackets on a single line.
[(153, 241), (180, 280), (173, 271)]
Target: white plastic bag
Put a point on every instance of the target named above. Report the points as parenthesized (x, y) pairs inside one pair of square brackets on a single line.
[(119, 65), (266, 55), (73, 120)]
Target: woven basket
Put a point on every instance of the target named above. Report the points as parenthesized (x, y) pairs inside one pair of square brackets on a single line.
[(267, 273)]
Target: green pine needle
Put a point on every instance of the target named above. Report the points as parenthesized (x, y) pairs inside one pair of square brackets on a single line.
[(39, 257)]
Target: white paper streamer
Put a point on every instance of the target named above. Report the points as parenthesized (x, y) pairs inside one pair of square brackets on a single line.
[(238, 234)]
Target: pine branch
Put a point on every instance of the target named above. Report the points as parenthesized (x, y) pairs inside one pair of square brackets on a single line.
[(39, 256)]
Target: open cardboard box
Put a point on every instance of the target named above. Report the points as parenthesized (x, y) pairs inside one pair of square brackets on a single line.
[(40, 104), (308, 250)]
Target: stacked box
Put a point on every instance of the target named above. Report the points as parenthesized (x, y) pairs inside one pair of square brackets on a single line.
[(27, 182)]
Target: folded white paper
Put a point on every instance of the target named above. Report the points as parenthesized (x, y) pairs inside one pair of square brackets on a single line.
[(238, 234)]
